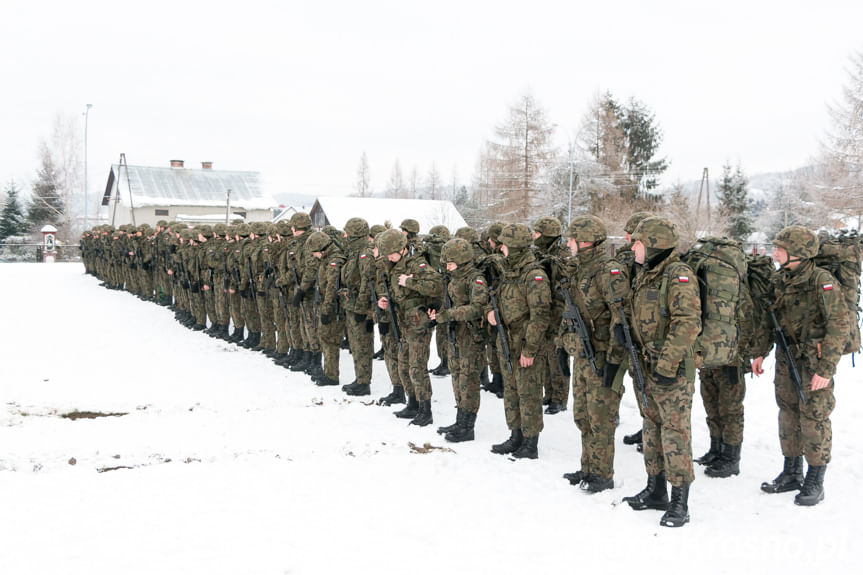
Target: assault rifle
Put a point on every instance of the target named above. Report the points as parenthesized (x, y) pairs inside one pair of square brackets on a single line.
[(501, 334), (373, 296), (296, 280), (782, 343), (252, 289), (574, 323), (632, 350), (450, 326), (394, 324)]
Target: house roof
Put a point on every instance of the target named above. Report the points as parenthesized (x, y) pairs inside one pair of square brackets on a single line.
[(158, 186), (339, 209)]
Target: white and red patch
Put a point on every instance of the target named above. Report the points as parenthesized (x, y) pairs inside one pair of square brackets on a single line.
[(683, 279), (537, 278), (362, 256), (827, 287), (479, 281), (332, 264), (422, 265), (615, 272)]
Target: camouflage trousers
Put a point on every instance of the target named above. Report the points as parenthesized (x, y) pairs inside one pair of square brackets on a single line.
[(414, 355), (268, 326), (280, 306), (362, 343), (210, 303), (667, 429), (310, 327), (466, 368), (555, 384), (522, 391), (723, 402), (295, 324), (145, 281), (441, 343), (163, 288), (804, 429), (594, 410), (220, 296), (235, 301), (491, 354), (391, 358), (250, 312), (330, 338), (198, 310)]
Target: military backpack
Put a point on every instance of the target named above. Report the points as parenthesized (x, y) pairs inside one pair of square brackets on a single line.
[(842, 256)]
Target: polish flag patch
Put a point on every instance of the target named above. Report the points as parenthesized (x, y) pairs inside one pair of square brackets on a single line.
[(422, 265), (537, 278), (362, 256), (615, 272), (828, 287), (683, 279), (332, 264), (479, 280)]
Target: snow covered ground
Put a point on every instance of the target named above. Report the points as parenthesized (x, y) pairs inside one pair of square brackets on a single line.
[(230, 464)]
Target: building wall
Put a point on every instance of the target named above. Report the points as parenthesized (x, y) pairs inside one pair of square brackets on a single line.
[(152, 214)]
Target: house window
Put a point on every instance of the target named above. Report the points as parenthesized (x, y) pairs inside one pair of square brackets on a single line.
[(161, 212)]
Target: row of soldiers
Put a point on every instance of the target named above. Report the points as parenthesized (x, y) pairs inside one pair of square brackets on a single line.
[(536, 308)]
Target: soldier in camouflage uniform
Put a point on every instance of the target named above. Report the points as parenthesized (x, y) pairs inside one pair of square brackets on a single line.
[(234, 260), (549, 248), (598, 288), (356, 299), (666, 320), (413, 286), (388, 338), (248, 290), (626, 257), (524, 297), (330, 260), (278, 301), (491, 251), (438, 236), (204, 239), (812, 315), (304, 296), (468, 295)]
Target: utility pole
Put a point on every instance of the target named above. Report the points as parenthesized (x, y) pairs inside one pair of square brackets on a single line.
[(228, 209)]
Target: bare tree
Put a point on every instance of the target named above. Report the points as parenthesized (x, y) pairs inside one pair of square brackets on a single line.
[(412, 184), (363, 177), (433, 181), (396, 185)]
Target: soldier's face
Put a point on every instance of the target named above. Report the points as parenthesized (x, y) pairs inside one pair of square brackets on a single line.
[(572, 245), (639, 251), (394, 257), (504, 250), (451, 266), (318, 255)]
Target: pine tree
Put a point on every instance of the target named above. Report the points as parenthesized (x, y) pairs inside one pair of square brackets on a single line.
[(12, 220), (734, 204), (46, 204)]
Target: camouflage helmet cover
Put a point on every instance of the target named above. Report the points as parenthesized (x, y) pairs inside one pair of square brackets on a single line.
[(204, 230), (548, 226), (587, 229), (797, 241), (390, 241), (493, 231), (376, 229), (411, 226), (258, 228), (220, 229), (356, 228), (657, 233), (634, 220), (515, 236), (283, 228), (439, 231), (243, 230), (301, 221), (456, 250), (467, 233), (318, 241)]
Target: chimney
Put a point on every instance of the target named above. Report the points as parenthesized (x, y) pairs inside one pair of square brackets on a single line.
[(176, 163), (206, 165)]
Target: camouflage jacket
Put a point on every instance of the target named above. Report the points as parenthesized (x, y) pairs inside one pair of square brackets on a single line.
[(358, 267), (468, 293), (666, 331), (524, 298), (813, 316), (424, 288), (328, 275)]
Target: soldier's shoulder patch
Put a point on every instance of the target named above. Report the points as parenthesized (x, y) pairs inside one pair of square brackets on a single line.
[(333, 264), (291, 253), (362, 256), (422, 265), (827, 287), (538, 278), (479, 280), (683, 279), (614, 272)]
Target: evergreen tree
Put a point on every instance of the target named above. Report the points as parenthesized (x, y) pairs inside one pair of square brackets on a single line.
[(734, 204), (46, 204), (12, 220)]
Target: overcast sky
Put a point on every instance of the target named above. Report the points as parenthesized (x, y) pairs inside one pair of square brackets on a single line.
[(298, 90)]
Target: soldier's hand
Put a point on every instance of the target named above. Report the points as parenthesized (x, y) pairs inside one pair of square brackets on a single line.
[(756, 366), (525, 361), (205, 287), (170, 272), (490, 318), (382, 302), (232, 291), (432, 314), (403, 279), (818, 382)]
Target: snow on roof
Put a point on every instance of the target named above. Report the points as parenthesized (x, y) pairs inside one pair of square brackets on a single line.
[(206, 218), (339, 209), (156, 186)]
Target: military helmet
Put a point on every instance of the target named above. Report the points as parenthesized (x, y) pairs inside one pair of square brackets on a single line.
[(258, 228), (318, 241), (587, 229), (467, 233), (798, 241), (357, 228), (238, 221), (376, 229), (162, 224), (548, 226), (411, 226), (220, 229), (204, 230), (188, 234), (332, 231), (301, 221), (456, 250), (243, 230), (634, 220), (515, 236), (390, 241), (440, 232), (493, 231), (656, 232), (283, 228)]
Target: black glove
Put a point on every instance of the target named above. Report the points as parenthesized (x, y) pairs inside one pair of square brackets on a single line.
[(563, 362), (609, 373), (325, 319), (298, 297), (359, 318), (662, 380), (619, 336), (383, 328), (370, 325)]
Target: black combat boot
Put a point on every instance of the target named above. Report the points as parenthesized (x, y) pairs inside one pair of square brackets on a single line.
[(677, 513), (442, 369), (592, 483), (315, 369), (247, 343), (424, 414), (396, 396), (575, 477), (463, 432), (303, 363), (812, 492), (528, 449), (198, 327), (237, 336), (211, 331), (632, 438), (411, 409), (514, 442), (324, 381), (256, 340), (791, 478), (293, 356), (554, 408), (497, 384), (224, 331), (654, 496), (447, 428), (483, 378), (279, 358), (379, 354), (358, 389), (712, 454), (727, 464)]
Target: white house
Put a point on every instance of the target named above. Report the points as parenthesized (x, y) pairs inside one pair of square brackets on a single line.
[(147, 194), (337, 210)]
